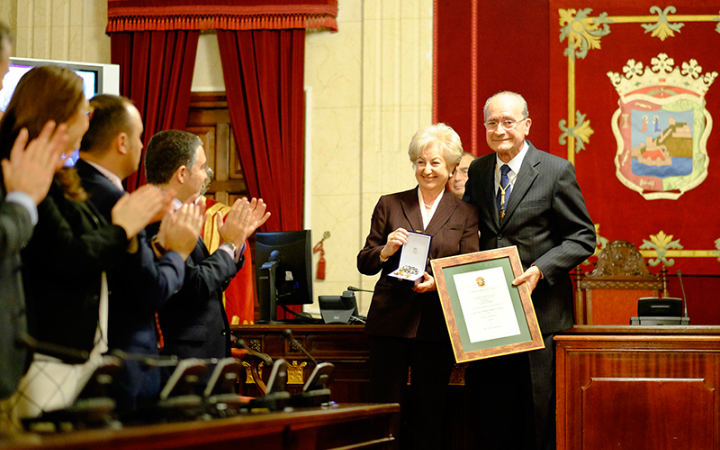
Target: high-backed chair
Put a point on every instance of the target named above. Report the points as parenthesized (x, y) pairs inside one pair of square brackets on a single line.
[(608, 295)]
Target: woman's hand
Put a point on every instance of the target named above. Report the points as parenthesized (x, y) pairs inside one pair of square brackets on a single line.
[(426, 285), (395, 240)]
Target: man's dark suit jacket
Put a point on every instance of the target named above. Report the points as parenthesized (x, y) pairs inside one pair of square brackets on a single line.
[(546, 219), (193, 322), (396, 310), (138, 288), (15, 232)]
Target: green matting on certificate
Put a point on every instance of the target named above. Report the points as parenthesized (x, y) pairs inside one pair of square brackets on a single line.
[(504, 263), (525, 337)]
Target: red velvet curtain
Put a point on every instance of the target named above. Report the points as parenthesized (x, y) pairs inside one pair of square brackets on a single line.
[(263, 71), (156, 71)]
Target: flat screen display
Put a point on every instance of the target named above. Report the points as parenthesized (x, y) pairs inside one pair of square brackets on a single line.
[(16, 72)]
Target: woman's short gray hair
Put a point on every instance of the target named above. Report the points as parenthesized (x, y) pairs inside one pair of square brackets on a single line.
[(445, 136)]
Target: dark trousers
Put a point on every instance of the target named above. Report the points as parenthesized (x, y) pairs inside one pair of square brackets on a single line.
[(423, 407), (136, 385), (515, 397)]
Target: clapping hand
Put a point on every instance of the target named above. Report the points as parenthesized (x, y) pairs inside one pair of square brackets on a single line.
[(242, 220), (180, 230), (30, 170), (135, 211)]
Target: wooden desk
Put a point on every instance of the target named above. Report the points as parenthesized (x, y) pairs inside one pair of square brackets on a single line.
[(346, 346), (622, 387), (348, 426)]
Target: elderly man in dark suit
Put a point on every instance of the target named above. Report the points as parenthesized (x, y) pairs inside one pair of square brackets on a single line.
[(110, 151), (530, 199), (193, 322)]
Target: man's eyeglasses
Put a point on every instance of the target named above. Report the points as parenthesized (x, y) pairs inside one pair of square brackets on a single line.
[(507, 124)]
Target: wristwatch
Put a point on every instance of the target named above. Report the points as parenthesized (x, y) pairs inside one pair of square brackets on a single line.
[(232, 247)]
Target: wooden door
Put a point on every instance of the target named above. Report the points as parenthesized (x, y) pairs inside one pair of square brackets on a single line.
[(209, 118)]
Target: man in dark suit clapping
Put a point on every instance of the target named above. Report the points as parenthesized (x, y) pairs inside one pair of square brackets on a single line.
[(530, 199), (110, 151), (193, 322)]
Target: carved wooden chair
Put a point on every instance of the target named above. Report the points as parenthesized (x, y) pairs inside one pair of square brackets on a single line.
[(608, 295)]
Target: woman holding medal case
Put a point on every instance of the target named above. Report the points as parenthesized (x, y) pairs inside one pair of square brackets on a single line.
[(405, 325)]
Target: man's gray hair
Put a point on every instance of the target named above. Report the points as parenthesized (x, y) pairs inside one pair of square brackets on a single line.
[(525, 112)]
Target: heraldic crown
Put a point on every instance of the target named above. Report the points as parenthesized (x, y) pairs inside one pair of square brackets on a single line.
[(663, 73)]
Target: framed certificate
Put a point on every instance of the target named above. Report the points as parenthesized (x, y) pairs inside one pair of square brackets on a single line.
[(485, 314)]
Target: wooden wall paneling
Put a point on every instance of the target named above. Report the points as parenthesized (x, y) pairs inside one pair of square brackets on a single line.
[(209, 118)]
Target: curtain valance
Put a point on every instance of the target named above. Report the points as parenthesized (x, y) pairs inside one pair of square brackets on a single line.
[(163, 15)]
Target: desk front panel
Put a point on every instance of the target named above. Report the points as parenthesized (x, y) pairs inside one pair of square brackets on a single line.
[(638, 392), (345, 346)]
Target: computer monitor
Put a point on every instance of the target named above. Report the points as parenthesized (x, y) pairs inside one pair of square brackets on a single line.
[(97, 79), (283, 271)]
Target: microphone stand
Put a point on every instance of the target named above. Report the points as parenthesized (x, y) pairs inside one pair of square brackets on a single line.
[(685, 320), (315, 392)]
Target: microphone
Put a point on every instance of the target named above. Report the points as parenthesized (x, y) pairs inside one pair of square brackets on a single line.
[(289, 336), (354, 289), (67, 354), (679, 274), (262, 356)]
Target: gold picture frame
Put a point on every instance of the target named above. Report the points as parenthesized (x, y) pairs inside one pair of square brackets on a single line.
[(502, 317)]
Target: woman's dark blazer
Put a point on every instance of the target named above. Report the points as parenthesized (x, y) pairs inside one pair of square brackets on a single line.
[(397, 310), (71, 246)]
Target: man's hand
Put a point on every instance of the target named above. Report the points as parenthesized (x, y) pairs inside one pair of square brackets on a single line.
[(182, 230), (426, 285), (135, 211), (30, 170), (242, 221), (395, 240), (530, 276)]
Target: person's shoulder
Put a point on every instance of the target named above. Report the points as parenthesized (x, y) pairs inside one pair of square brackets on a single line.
[(399, 196), (84, 169), (483, 160), (547, 158), (482, 163), (463, 207)]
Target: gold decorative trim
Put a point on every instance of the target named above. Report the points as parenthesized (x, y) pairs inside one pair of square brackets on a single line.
[(584, 33), (248, 372), (296, 373)]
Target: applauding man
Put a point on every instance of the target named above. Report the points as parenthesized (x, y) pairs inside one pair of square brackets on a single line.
[(111, 151), (193, 323)]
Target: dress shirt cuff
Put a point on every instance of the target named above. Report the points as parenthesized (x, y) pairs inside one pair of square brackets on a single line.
[(234, 255), (24, 200)]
